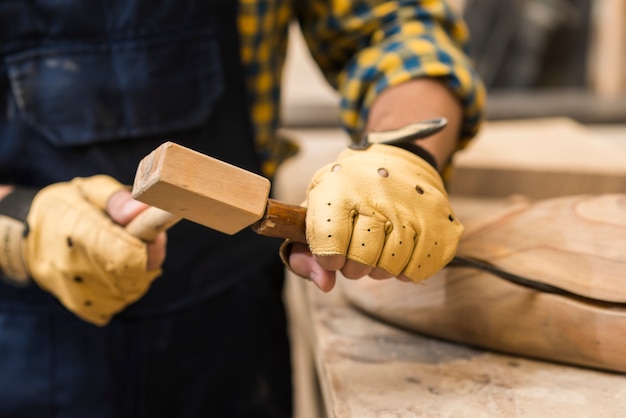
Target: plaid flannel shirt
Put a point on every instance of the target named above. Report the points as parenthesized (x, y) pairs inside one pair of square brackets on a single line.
[(362, 47)]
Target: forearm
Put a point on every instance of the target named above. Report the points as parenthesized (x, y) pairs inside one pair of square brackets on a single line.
[(379, 44), (418, 100)]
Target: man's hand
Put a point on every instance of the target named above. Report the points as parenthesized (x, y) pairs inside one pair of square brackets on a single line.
[(381, 212), (74, 246), (398, 106), (301, 261)]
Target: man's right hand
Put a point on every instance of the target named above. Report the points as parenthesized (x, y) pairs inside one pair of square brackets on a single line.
[(75, 246)]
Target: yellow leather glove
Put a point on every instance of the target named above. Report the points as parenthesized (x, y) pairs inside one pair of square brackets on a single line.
[(73, 250), (384, 207)]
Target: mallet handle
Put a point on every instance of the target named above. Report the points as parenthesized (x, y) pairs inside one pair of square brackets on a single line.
[(281, 220), (152, 221)]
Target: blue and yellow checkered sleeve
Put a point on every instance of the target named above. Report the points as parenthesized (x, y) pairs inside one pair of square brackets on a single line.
[(365, 46)]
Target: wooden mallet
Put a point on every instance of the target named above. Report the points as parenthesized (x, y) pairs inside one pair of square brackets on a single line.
[(179, 182)]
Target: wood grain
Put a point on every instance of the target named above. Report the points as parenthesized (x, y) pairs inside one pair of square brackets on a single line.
[(151, 222), (182, 183), (200, 188), (575, 242), (282, 220), (371, 369)]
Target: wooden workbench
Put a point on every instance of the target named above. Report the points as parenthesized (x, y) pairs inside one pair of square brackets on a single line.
[(348, 364), (366, 368)]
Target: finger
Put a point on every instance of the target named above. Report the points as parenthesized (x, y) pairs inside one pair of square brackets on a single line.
[(427, 258), (380, 274), (404, 278), (302, 263), (157, 251), (331, 262), (328, 226), (399, 246), (355, 270), (122, 208), (368, 238), (98, 189)]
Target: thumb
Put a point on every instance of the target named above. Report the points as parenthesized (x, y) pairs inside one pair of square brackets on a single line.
[(122, 208), (302, 263)]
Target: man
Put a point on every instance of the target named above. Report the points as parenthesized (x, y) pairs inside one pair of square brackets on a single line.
[(95, 322)]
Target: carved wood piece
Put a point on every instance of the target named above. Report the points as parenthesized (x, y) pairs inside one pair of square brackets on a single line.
[(577, 242)]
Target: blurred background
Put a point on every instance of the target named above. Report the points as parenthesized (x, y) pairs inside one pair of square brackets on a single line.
[(555, 71), (538, 58)]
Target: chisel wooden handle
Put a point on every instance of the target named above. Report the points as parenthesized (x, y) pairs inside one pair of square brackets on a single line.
[(282, 220)]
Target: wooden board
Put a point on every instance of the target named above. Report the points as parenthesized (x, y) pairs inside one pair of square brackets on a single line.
[(575, 242), (538, 158)]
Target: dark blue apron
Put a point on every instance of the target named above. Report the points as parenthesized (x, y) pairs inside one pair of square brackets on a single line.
[(91, 87)]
